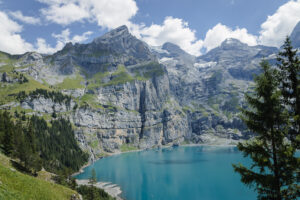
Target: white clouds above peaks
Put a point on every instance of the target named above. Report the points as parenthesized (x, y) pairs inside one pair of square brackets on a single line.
[(178, 32), (173, 30), (107, 13), (215, 36), (280, 24), (113, 13), (61, 40), (26, 19), (10, 39)]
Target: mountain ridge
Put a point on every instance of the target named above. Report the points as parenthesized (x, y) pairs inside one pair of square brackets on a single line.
[(125, 93)]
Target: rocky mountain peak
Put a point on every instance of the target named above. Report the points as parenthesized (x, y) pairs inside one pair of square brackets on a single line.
[(172, 48), (112, 49), (233, 43), (175, 51), (120, 32), (295, 36)]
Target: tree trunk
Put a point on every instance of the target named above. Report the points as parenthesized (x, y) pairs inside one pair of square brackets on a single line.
[(277, 179)]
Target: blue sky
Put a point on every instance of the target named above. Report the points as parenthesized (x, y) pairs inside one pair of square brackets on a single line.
[(195, 25)]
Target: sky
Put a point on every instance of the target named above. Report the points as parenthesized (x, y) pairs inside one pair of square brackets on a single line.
[(197, 26)]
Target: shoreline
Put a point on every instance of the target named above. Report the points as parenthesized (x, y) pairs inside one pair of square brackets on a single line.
[(113, 189), (138, 150)]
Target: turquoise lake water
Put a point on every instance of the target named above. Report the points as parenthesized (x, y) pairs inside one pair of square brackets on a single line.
[(183, 173)]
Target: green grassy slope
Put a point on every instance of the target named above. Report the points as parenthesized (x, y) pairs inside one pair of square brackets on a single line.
[(17, 186)]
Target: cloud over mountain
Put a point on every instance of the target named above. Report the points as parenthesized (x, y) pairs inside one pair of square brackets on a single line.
[(280, 24), (106, 13)]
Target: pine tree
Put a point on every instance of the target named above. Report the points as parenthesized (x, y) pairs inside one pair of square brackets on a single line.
[(93, 178), (289, 76), (273, 169), (7, 141)]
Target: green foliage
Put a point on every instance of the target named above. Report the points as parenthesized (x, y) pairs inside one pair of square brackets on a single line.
[(93, 178), (8, 92), (93, 193), (120, 76), (289, 76), (123, 75), (147, 71), (127, 147), (273, 172), (18, 186), (65, 179), (37, 144), (89, 100), (71, 83), (97, 80), (6, 133), (57, 145), (231, 105)]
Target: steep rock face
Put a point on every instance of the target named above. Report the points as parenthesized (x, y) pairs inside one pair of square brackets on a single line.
[(46, 105), (141, 116)]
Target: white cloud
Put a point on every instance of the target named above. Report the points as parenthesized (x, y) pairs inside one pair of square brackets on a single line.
[(61, 40), (65, 14), (173, 30), (113, 13), (10, 39), (178, 32), (12, 42), (280, 24), (215, 36), (107, 13), (64, 36), (26, 19), (43, 47)]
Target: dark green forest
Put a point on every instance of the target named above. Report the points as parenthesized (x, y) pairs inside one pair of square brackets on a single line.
[(37, 144)]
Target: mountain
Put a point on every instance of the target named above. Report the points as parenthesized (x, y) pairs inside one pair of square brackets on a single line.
[(122, 94), (295, 36), (239, 59)]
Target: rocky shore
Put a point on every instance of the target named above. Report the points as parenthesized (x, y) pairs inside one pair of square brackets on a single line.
[(112, 189)]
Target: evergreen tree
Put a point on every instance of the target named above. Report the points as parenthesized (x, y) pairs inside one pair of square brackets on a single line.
[(93, 190), (54, 114), (289, 76), (7, 141), (3, 78), (93, 178), (274, 165)]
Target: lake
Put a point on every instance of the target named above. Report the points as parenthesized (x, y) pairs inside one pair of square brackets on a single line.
[(184, 173)]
